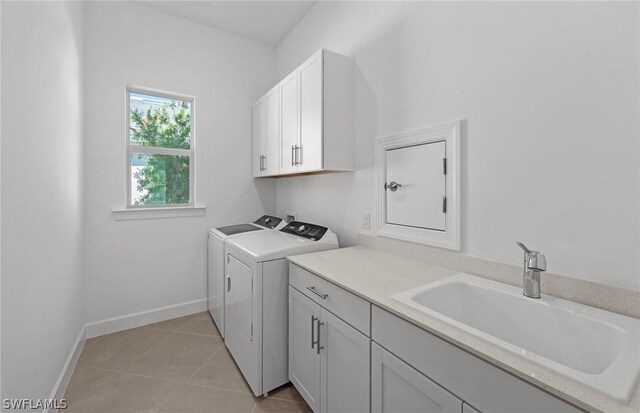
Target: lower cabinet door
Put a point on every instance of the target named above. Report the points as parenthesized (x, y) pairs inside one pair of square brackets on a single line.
[(345, 366), (304, 356), (397, 387)]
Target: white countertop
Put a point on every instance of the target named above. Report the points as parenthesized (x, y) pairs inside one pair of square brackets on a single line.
[(376, 276)]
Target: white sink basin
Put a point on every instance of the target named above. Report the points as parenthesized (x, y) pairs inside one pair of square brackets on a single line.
[(595, 347)]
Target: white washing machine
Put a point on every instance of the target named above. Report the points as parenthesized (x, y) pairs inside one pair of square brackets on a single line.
[(216, 262), (256, 302)]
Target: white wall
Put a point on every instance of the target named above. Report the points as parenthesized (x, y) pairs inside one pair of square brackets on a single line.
[(139, 265), (42, 193), (550, 95)]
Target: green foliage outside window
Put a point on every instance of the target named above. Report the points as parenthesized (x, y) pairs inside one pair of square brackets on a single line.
[(161, 179)]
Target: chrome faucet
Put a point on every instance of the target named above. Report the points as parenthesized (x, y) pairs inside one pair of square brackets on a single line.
[(534, 264)]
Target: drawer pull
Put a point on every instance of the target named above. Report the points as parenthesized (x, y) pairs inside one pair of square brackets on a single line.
[(313, 290)]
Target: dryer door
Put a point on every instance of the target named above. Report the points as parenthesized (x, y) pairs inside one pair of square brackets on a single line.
[(240, 296), (243, 319)]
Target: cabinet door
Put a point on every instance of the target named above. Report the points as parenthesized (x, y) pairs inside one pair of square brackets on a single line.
[(259, 136), (311, 114), (272, 145), (344, 373), (289, 124), (304, 359), (397, 387)]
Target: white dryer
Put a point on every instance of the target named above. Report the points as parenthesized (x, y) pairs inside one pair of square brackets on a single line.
[(216, 262), (256, 312)]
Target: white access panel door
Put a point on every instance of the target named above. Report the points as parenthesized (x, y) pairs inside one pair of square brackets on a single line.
[(344, 366), (311, 114), (419, 198), (289, 123), (304, 357), (272, 146), (397, 387), (216, 281), (259, 137)]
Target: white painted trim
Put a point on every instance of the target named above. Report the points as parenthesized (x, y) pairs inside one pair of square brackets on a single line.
[(125, 322), (158, 212), (450, 133), (60, 387)]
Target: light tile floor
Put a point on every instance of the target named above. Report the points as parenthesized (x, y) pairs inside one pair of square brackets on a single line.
[(175, 366)]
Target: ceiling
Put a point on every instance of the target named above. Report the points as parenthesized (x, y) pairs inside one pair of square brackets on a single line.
[(264, 21)]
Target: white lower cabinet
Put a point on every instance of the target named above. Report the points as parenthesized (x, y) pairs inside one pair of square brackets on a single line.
[(399, 388), (344, 366), (304, 359), (328, 358), (348, 356)]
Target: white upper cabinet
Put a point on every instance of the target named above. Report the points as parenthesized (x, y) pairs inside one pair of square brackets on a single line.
[(259, 136), (310, 143), (289, 124), (315, 127), (272, 157), (266, 133)]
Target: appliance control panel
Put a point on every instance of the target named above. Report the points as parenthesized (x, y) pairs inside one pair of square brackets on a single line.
[(268, 221), (302, 229)]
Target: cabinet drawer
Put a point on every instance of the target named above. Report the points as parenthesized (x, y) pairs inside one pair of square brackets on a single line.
[(349, 307), (470, 378)]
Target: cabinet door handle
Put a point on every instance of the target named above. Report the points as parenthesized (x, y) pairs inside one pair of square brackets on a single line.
[(319, 347), (293, 155), (228, 283), (313, 340), (321, 295), (264, 162)]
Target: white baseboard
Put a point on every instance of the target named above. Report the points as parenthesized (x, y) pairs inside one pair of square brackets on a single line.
[(67, 370), (111, 325)]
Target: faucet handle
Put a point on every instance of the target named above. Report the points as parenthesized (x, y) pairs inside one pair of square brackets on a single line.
[(537, 261), (524, 247)]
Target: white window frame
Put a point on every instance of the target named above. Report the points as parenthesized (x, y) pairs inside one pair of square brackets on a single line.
[(131, 149)]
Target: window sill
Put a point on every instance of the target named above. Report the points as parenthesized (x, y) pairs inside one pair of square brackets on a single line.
[(159, 212)]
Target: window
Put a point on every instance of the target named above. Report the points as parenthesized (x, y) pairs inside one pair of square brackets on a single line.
[(160, 152)]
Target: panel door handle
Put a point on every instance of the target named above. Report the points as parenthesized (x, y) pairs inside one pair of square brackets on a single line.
[(293, 155), (228, 283), (392, 186), (319, 347), (313, 340)]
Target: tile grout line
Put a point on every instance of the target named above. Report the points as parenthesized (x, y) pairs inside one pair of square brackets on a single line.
[(172, 332), (205, 362), (182, 332), (151, 347), (174, 381)]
